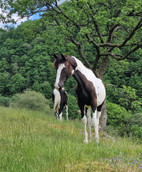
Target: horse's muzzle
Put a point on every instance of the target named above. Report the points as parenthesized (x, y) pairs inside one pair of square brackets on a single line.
[(59, 88), (61, 85)]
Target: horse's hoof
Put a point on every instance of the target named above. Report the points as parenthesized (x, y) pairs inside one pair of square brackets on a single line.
[(85, 141)]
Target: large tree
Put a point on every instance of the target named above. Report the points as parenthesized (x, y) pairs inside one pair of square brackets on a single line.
[(112, 28), (99, 29)]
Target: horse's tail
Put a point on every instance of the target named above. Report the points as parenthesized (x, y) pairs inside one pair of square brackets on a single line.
[(57, 99)]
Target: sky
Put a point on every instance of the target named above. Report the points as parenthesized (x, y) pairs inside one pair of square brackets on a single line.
[(19, 21)]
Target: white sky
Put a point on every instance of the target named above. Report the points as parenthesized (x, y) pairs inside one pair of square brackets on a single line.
[(15, 17)]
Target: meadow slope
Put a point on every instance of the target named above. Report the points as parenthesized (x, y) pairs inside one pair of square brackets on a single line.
[(35, 142)]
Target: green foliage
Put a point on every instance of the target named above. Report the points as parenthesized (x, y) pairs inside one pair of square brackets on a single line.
[(3, 65), (46, 89), (17, 83), (123, 84), (131, 101), (123, 122), (136, 78), (136, 131), (116, 114), (30, 100), (137, 119), (136, 125), (73, 107), (4, 81), (118, 68), (29, 30), (125, 97), (4, 101)]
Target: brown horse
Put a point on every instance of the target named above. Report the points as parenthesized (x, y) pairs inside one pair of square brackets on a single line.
[(90, 89)]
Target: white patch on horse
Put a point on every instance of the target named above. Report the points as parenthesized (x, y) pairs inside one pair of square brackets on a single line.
[(84, 119), (60, 116), (95, 122), (61, 66), (98, 84), (57, 100), (72, 72)]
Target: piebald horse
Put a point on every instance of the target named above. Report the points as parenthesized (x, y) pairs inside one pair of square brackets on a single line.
[(90, 90), (60, 100)]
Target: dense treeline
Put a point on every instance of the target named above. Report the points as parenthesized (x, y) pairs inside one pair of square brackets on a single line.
[(26, 56)]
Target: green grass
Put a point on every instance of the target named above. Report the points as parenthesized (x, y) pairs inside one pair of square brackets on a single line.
[(36, 142)]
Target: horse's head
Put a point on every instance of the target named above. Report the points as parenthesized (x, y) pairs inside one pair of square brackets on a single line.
[(65, 66)]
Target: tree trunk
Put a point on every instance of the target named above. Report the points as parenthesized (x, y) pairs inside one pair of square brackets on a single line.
[(101, 72), (103, 67), (103, 118)]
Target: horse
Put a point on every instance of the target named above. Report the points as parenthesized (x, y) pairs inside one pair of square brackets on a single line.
[(90, 90), (60, 100)]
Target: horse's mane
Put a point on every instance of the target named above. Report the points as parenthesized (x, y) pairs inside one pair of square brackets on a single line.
[(84, 70), (79, 63)]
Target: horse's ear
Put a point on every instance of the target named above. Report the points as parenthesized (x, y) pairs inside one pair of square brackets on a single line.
[(73, 62), (64, 57), (55, 56)]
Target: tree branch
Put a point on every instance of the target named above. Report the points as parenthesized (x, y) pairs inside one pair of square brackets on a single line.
[(132, 13), (91, 40), (120, 57), (132, 51), (110, 35), (96, 62), (61, 11), (95, 24), (80, 50), (103, 67), (132, 33), (97, 50)]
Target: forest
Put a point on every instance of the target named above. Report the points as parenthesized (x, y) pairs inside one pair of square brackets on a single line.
[(104, 35)]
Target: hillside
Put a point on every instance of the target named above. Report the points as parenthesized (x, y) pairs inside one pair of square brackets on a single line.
[(34, 141)]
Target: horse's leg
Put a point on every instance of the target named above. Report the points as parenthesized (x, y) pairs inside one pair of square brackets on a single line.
[(57, 116), (98, 118), (67, 112), (60, 113), (95, 123), (89, 121), (84, 119), (60, 116), (61, 110)]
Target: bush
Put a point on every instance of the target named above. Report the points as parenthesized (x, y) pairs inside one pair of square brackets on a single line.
[(73, 107), (119, 119), (122, 122), (137, 119), (4, 101), (136, 131), (136, 125), (46, 89), (30, 100), (115, 114)]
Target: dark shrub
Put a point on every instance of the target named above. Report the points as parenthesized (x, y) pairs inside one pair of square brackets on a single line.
[(4, 101)]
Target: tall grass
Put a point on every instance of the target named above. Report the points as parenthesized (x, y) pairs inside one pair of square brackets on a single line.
[(35, 142)]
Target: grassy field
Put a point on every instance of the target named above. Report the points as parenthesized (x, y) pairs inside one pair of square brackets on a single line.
[(36, 142)]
